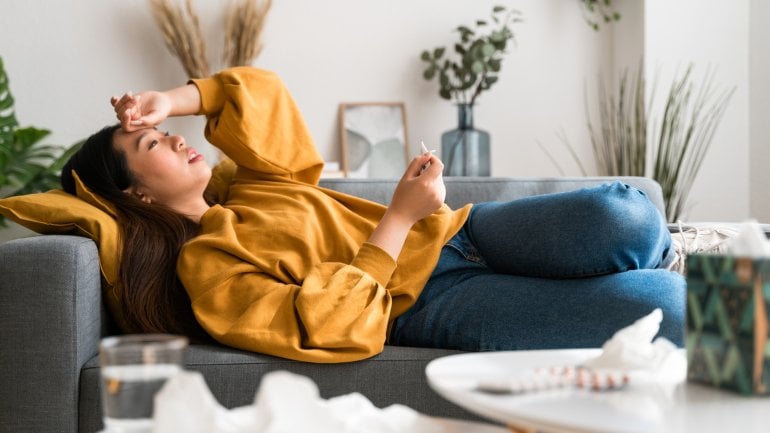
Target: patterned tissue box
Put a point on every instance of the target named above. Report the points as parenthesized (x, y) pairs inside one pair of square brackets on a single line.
[(728, 299)]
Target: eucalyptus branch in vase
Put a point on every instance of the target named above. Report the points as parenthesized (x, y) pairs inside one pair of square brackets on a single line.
[(474, 68), (479, 57)]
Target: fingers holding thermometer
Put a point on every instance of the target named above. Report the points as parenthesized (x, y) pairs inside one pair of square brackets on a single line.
[(425, 151)]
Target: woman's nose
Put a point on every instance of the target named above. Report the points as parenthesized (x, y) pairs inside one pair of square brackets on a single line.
[(177, 142)]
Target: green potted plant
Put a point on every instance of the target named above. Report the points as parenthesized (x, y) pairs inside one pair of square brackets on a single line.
[(676, 138), (473, 69), (26, 164), (599, 11), (667, 142)]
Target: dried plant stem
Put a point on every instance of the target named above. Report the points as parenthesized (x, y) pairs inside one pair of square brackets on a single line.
[(689, 122), (244, 23), (182, 35), (620, 147)]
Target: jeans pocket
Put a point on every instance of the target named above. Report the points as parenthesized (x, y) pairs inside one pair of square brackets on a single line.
[(463, 245)]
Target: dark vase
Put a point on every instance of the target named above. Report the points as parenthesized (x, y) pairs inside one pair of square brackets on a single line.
[(465, 150)]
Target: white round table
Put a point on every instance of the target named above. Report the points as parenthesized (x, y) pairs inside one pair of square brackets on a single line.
[(684, 407)]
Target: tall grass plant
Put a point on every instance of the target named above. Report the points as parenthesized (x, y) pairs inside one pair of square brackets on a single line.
[(629, 139)]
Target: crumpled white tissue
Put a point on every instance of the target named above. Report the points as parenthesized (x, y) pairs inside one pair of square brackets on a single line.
[(750, 241), (285, 403), (633, 351)]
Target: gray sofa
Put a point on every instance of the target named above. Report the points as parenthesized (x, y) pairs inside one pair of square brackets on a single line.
[(52, 319)]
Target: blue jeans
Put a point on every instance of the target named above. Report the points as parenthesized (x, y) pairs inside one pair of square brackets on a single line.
[(553, 271)]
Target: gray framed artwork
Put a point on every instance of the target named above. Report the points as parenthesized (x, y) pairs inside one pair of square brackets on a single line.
[(373, 137)]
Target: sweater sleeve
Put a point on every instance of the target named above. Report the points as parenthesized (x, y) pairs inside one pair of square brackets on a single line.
[(338, 313), (253, 119)]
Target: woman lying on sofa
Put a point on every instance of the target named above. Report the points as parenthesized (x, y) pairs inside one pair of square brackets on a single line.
[(275, 264)]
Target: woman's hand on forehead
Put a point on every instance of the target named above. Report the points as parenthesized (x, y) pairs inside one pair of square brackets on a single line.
[(144, 110)]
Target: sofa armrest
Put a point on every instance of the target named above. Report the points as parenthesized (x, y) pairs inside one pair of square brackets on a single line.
[(50, 325)]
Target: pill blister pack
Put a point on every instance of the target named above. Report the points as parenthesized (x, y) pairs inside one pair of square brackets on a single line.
[(549, 378)]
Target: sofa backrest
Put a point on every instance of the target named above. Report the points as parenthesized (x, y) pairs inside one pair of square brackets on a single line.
[(463, 190)]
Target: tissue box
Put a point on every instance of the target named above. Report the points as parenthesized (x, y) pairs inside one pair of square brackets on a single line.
[(727, 332)]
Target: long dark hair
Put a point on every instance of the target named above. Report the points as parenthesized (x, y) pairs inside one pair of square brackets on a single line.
[(151, 296)]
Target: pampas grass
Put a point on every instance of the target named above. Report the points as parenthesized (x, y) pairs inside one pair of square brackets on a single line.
[(182, 35), (179, 24), (244, 22)]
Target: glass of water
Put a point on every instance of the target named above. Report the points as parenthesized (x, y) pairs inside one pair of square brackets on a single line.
[(133, 369)]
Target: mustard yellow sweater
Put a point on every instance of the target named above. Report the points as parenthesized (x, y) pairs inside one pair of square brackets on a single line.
[(282, 266)]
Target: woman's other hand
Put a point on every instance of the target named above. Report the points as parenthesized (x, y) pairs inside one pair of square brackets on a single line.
[(144, 110), (421, 191)]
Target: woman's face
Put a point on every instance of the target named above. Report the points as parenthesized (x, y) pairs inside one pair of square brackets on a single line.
[(167, 171)]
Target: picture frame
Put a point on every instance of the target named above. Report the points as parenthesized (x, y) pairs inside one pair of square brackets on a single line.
[(373, 138)]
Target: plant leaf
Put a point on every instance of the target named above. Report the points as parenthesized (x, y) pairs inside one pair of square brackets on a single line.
[(487, 50), (477, 54), (8, 120), (490, 80), (27, 137)]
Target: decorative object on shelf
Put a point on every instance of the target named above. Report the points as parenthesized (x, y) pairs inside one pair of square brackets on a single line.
[(332, 170), (465, 149), (26, 164), (244, 22), (475, 69), (374, 139), (599, 11)]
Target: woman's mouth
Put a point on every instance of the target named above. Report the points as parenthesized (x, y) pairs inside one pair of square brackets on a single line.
[(193, 156)]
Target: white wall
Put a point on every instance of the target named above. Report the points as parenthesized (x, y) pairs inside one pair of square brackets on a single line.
[(759, 103), (66, 58), (69, 56), (709, 34)]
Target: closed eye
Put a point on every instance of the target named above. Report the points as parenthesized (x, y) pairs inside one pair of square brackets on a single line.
[(154, 143)]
